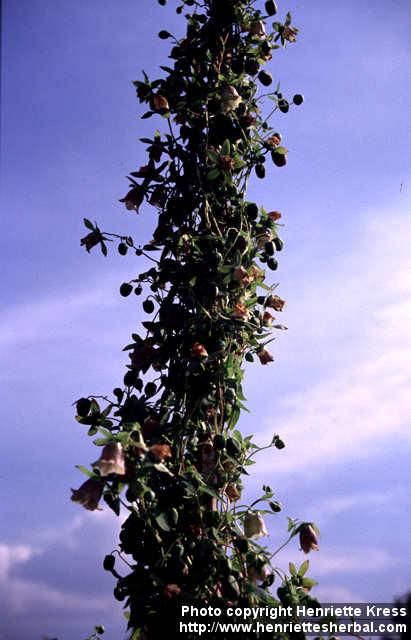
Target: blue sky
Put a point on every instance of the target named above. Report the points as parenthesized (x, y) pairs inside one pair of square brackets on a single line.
[(339, 389)]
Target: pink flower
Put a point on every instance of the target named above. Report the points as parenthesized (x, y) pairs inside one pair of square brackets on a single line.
[(198, 350), (308, 538), (160, 452), (89, 494), (267, 319), (254, 526), (242, 277), (265, 356), (241, 312), (276, 303), (112, 460)]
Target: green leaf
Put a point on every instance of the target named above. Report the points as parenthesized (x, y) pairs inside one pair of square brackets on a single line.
[(88, 224), (162, 522), (304, 568), (292, 568), (213, 174), (86, 471)]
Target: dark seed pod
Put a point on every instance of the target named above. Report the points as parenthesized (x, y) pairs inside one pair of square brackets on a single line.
[(279, 159), (251, 66), (275, 506), (109, 562), (260, 171), (271, 7), (219, 442), (269, 248), (298, 99), (233, 447), (125, 289), (272, 264), (83, 407), (241, 544), (279, 244), (265, 78), (252, 211), (122, 248), (163, 35), (283, 106), (138, 290), (148, 305)]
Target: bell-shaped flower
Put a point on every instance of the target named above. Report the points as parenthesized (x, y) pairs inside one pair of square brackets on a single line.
[(233, 492), (308, 538), (112, 460), (254, 526), (160, 452), (274, 215), (264, 356), (198, 350), (230, 99), (89, 494), (290, 34), (240, 312), (275, 302), (267, 319), (257, 29), (160, 102)]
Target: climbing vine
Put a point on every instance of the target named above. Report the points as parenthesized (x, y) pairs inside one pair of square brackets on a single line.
[(172, 459)]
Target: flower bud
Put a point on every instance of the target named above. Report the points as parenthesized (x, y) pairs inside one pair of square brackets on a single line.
[(160, 452)]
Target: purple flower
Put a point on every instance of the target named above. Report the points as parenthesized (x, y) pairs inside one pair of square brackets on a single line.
[(308, 538), (89, 494)]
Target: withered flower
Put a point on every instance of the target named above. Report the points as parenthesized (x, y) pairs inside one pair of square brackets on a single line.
[(254, 526), (275, 302), (274, 215), (226, 163), (89, 494), (198, 350), (264, 237), (308, 538), (133, 198), (290, 34), (274, 141), (160, 102), (264, 356), (233, 492), (91, 240), (171, 590), (160, 452), (112, 460)]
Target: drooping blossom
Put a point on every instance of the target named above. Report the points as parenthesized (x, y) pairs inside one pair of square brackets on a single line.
[(160, 452), (91, 240), (275, 302), (133, 198), (230, 99), (160, 102), (89, 494), (240, 312), (290, 34), (112, 460), (308, 538), (171, 590), (198, 350), (264, 356), (274, 140), (258, 573), (242, 276), (233, 492), (274, 215), (257, 29), (254, 526), (267, 319)]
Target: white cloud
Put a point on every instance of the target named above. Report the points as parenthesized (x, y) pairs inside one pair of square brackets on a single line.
[(362, 400), (368, 499)]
